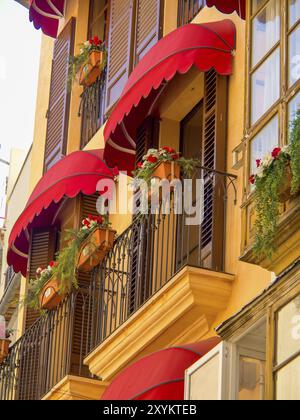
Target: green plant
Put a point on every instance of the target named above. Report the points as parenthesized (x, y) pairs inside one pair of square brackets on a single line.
[(36, 285), (295, 153), (76, 62), (64, 268), (154, 157)]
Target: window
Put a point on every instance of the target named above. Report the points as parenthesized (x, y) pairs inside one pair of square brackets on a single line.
[(264, 142), (98, 19), (273, 75), (287, 354), (232, 370), (188, 9), (265, 68)]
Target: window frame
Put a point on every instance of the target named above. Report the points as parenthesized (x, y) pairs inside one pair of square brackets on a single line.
[(281, 106), (272, 368), (92, 20)]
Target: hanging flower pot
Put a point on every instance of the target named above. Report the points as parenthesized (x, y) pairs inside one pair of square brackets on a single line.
[(4, 349), (167, 170), (50, 296), (94, 249), (90, 71), (88, 65)]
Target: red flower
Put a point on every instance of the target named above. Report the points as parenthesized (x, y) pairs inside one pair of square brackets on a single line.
[(252, 179), (175, 156), (169, 150), (52, 264), (100, 220), (172, 151), (258, 162), (140, 165), (152, 159), (276, 152), (95, 41)]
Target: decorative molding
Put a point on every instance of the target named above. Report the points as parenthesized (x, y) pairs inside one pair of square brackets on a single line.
[(77, 388), (182, 311)]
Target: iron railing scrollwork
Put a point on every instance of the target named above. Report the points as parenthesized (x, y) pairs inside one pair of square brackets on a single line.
[(92, 109), (153, 249)]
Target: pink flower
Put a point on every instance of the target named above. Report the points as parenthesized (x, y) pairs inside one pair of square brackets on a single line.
[(258, 162), (140, 165), (276, 152)]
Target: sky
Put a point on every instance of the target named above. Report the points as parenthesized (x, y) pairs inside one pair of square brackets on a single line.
[(19, 64)]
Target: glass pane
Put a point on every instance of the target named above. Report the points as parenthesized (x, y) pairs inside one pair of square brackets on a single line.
[(265, 30), (265, 86), (204, 381), (252, 379), (294, 13), (294, 106), (288, 330), (294, 56), (288, 382), (256, 4), (264, 142)]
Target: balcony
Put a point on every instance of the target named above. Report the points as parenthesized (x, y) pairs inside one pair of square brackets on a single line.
[(162, 284), (9, 300), (49, 356), (92, 109)]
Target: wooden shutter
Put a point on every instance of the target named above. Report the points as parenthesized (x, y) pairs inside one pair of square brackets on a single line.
[(140, 270), (147, 137), (119, 49), (148, 27), (59, 101), (42, 251), (214, 157)]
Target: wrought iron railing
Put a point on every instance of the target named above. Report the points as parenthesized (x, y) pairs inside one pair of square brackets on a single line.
[(144, 258), (152, 250), (50, 349), (92, 109)]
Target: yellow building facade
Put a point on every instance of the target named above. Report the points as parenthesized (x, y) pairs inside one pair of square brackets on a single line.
[(164, 285)]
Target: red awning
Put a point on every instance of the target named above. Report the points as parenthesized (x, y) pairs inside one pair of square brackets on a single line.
[(205, 46), (159, 376), (45, 15), (77, 173), (229, 6)]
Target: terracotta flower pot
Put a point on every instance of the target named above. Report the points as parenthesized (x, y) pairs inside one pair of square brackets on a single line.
[(91, 70), (95, 248), (50, 297), (167, 170), (4, 349)]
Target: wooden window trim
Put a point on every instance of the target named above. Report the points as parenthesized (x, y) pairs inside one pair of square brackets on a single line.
[(186, 12), (272, 341), (286, 93)]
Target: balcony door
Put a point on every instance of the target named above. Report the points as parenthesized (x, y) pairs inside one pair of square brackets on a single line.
[(203, 136)]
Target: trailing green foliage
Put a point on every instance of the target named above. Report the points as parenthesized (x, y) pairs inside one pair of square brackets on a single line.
[(295, 153), (267, 206)]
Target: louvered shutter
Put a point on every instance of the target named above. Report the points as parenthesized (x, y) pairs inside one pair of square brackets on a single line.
[(140, 270), (59, 101), (148, 27), (214, 157), (119, 49)]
